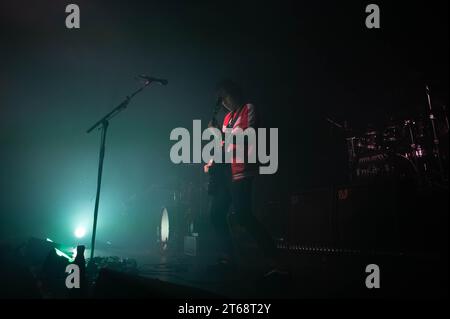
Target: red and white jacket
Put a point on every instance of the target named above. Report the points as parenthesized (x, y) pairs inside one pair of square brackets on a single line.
[(242, 118)]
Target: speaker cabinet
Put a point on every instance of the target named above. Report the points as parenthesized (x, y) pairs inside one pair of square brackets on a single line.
[(367, 217), (311, 218)]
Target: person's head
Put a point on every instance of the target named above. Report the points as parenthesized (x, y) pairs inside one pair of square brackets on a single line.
[(230, 95)]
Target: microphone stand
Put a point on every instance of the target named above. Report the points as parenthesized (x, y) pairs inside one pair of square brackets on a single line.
[(103, 124), (436, 142), (350, 141)]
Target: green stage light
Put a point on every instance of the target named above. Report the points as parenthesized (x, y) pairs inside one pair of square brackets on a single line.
[(80, 231), (62, 254)]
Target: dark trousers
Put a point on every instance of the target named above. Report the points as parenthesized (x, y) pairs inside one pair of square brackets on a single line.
[(239, 194)]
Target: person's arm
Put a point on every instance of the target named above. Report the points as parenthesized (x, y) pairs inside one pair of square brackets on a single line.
[(213, 124)]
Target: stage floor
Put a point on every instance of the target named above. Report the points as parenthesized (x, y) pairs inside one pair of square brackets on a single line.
[(311, 275)]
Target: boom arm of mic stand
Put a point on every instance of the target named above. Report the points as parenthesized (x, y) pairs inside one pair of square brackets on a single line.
[(335, 123), (119, 108)]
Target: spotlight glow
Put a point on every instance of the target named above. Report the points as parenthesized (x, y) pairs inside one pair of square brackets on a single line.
[(80, 232)]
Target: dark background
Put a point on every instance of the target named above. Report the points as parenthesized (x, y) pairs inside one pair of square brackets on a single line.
[(299, 62)]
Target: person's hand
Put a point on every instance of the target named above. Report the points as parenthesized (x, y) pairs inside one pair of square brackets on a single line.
[(208, 166)]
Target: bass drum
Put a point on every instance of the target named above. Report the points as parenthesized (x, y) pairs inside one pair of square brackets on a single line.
[(171, 229), (379, 166)]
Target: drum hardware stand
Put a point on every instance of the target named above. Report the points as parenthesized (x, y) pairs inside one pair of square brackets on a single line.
[(414, 147), (103, 124), (436, 151), (351, 156), (351, 153), (446, 116)]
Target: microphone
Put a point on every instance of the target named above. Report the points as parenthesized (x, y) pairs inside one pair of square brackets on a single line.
[(152, 79)]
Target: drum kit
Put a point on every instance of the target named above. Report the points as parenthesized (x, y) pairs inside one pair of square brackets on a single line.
[(175, 207), (415, 148)]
